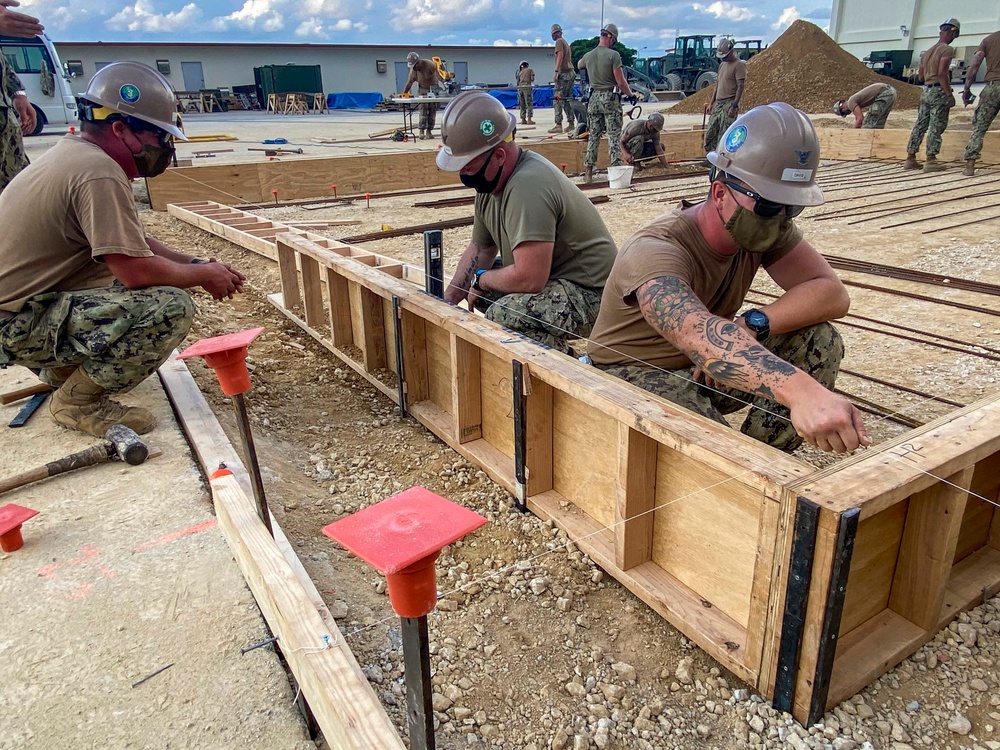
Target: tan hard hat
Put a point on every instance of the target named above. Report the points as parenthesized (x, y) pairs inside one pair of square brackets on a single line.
[(774, 150), (656, 119), (611, 29), (953, 22), (473, 123), (724, 48), (135, 90), (412, 57), (555, 27)]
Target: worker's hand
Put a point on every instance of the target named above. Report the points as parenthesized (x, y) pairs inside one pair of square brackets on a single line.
[(220, 280), (708, 107), (13, 23), (703, 378), (828, 421), (733, 110), (951, 100), (26, 113), (627, 157), (966, 97)]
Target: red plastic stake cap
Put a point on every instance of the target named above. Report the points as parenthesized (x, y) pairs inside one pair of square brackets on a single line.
[(11, 518), (227, 355), (401, 537)]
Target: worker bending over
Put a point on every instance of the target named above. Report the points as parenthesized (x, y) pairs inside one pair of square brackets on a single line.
[(878, 98), (425, 74), (555, 252), (670, 321), (86, 298), (640, 141)]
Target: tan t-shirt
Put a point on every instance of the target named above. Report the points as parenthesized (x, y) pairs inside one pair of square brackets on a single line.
[(638, 127), (70, 207), (932, 59), (567, 62), (865, 97), (729, 74), (525, 77), (540, 204), (671, 245), (425, 73), (992, 46), (601, 64)]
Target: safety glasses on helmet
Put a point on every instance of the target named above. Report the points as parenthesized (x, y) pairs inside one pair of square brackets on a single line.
[(137, 125), (762, 206)]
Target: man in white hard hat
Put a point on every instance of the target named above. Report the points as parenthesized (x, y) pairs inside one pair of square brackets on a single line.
[(936, 100), (87, 300), (640, 141), (555, 251), (670, 318), (724, 104), (425, 74), (563, 77)]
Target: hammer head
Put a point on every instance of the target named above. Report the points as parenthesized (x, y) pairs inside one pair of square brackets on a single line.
[(127, 444)]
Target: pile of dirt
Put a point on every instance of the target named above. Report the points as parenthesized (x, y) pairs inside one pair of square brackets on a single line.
[(807, 69)]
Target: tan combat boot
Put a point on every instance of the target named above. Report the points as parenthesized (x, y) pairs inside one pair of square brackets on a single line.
[(569, 128), (530, 121), (556, 129), (80, 404), (931, 164), (589, 176), (911, 162), (56, 376), (970, 167), (523, 121)]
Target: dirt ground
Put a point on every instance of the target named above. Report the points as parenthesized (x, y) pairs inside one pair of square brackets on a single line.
[(544, 651)]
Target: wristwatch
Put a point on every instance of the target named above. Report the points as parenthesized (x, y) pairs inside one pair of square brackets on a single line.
[(20, 92), (758, 322), (475, 280)]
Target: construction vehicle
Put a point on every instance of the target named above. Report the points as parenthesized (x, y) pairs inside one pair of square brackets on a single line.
[(690, 67), (889, 62), (747, 48)]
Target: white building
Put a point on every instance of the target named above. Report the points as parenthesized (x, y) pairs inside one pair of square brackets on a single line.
[(862, 26)]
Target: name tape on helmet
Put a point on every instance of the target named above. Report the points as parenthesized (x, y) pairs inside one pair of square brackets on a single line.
[(796, 175)]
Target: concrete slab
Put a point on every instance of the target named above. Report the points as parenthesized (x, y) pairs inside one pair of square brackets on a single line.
[(125, 572)]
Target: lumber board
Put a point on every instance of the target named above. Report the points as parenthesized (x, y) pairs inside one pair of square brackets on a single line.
[(539, 454), (636, 498), (585, 457), (876, 549), (467, 395)]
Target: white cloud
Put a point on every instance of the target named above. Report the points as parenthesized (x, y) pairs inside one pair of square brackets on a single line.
[(422, 15), (310, 27), (787, 18), (57, 14), (143, 17), (722, 9), (344, 24), (255, 14), (323, 8), (503, 43), (538, 5)]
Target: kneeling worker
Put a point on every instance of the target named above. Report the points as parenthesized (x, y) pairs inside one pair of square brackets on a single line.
[(555, 250), (879, 98), (86, 298), (669, 322), (640, 141)]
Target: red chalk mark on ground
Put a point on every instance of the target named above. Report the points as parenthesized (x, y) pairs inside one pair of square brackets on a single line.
[(175, 535), (69, 589)]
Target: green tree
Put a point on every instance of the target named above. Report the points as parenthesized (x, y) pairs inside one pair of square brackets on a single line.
[(580, 47)]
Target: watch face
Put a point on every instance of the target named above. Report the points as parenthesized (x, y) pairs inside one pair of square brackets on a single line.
[(756, 319)]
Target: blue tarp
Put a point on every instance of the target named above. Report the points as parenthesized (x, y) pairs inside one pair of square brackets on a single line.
[(542, 96), (353, 100)]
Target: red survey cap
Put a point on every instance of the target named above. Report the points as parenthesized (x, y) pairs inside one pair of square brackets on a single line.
[(401, 537), (11, 518), (227, 355)]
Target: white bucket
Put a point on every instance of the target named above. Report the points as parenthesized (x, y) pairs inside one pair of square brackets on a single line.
[(619, 177)]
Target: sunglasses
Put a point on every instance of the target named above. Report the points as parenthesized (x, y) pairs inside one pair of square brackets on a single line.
[(166, 139), (604, 33), (762, 206)]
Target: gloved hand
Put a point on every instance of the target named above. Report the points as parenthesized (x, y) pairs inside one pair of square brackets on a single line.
[(951, 100), (633, 100), (967, 97)]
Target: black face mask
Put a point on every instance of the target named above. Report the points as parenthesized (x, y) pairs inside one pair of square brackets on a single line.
[(153, 160), (478, 181)]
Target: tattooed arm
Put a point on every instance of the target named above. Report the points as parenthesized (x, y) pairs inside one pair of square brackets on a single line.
[(725, 352), (475, 257)]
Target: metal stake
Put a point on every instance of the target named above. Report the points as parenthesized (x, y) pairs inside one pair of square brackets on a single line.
[(434, 262), (250, 454), (417, 674)]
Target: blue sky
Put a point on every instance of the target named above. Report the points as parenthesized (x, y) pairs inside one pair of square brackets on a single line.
[(648, 25)]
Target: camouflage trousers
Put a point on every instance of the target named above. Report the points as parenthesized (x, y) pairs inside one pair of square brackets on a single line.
[(428, 112), (816, 350), (878, 112), (604, 114), (640, 148), (932, 119), (561, 95), (524, 101), (986, 112), (561, 312), (718, 122), (118, 336), (12, 157)]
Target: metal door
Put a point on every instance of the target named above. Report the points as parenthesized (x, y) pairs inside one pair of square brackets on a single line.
[(462, 73), (194, 76), (402, 73)]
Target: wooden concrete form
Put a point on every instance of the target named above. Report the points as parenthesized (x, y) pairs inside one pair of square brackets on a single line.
[(339, 695), (806, 584)]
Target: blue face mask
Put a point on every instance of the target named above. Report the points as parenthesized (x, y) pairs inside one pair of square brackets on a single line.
[(478, 181)]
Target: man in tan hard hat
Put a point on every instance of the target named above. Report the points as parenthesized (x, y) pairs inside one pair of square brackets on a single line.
[(878, 98), (724, 104), (670, 318), (87, 300), (604, 110), (989, 99), (640, 141), (936, 100), (555, 251), (562, 77), (425, 74)]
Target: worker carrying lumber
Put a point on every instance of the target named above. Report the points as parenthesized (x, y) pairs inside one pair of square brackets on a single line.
[(555, 251), (878, 98), (563, 77), (989, 98), (425, 74), (936, 100), (17, 116), (724, 104), (87, 300), (640, 141), (670, 321), (526, 92), (604, 110)]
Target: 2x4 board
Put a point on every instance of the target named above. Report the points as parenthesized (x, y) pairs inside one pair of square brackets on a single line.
[(806, 584)]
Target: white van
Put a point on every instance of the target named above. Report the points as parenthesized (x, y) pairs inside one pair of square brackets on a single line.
[(34, 61)]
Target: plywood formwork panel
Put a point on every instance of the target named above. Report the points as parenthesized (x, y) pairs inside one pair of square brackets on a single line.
[(496, 391), (873, 565), (439, 367), (585, 446)]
